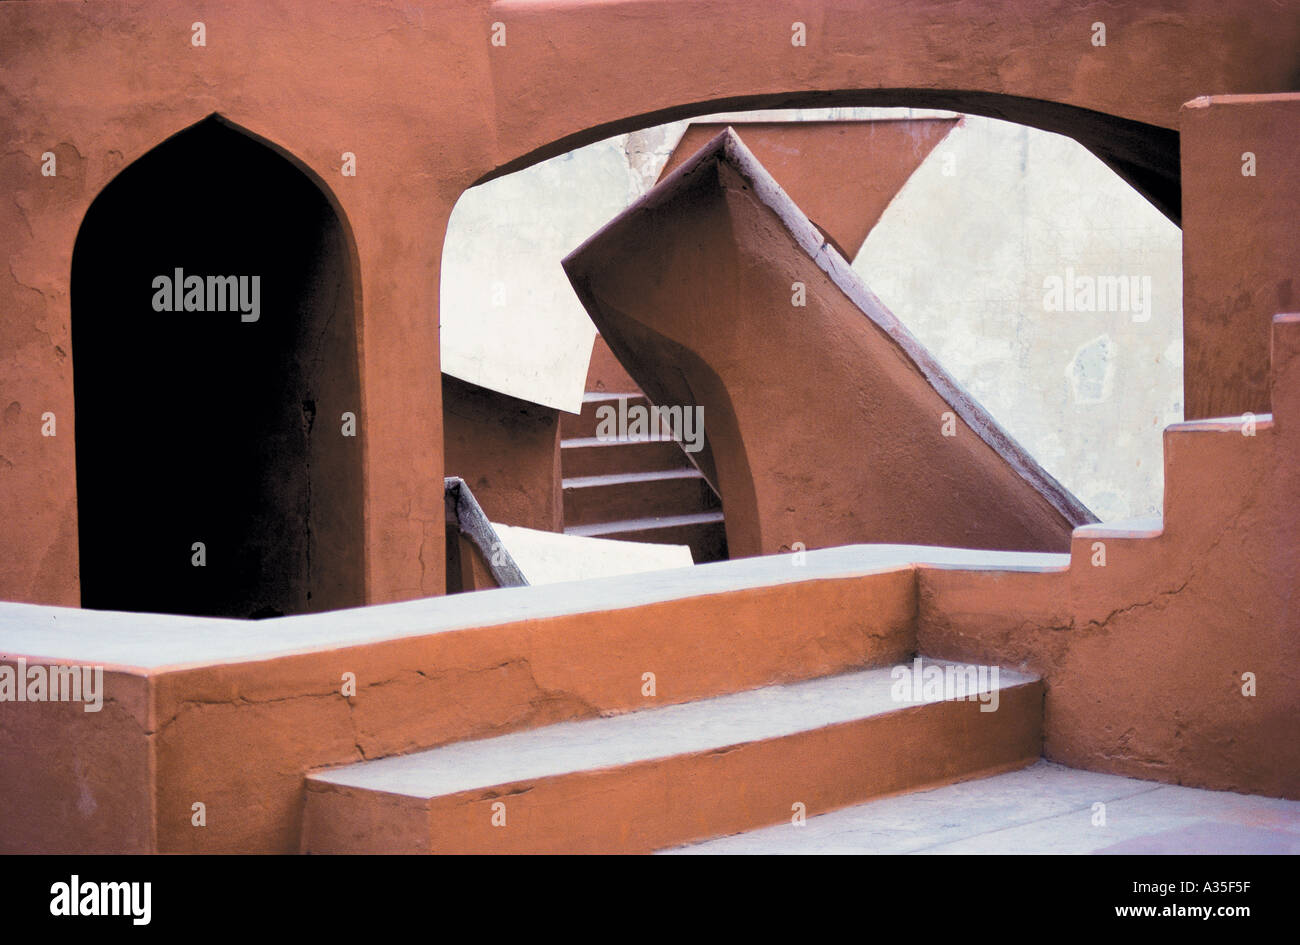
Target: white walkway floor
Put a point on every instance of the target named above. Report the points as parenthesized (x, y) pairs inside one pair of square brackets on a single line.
[(1042, 809)]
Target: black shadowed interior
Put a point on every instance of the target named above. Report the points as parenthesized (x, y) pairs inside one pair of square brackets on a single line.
[(201, 426)]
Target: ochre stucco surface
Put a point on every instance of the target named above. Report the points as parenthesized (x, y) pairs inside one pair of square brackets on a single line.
[(507, 450), (1142, 660), (1241, 245), (822, 428), (429, 106)]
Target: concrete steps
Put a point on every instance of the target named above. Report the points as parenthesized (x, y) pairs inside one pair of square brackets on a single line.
[(588, 456), (651, 779), (1043, 809), (591, 500), (633, 489), (585, 424)]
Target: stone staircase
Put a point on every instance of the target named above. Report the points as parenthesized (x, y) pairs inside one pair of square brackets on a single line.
[(659, 777), (635, 490)]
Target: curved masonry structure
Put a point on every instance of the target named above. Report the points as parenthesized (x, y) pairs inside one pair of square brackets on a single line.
[(457, 109), (826, 421), (1168, 652)]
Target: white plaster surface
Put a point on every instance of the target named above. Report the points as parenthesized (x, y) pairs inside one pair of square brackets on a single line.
[(1146, 527), (961, 256), (706, 725), (551, 557), (1045, 808), (69, 634), (509, 319)]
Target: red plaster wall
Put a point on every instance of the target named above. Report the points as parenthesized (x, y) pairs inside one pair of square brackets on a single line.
[(605, 375), (1241, 245), (429, 106), (231, 733), (507, 450), (73, 781)]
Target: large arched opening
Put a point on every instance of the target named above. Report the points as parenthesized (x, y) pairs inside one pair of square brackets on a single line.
[(1041, 191), (1144, 155), (214, 331)]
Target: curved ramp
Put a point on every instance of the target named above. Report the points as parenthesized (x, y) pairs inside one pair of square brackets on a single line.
[(826, 422)]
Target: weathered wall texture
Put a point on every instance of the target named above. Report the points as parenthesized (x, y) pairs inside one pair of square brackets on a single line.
[(509, 319), (605, 374), (240, 736), (75, 781), (428, 105), (507, 450), (1237, 152), (1146, 641), (963, 257), (135, 79)]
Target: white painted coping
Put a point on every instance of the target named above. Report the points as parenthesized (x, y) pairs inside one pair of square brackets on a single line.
[(68, 634)]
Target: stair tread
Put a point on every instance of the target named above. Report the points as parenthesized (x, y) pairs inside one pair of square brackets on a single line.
[(602, 396), (642, 524), (590, 442), (615, 479), (1034, 810), (646, 735)]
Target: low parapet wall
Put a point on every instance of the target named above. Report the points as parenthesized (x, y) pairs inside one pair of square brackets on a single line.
[(1170, 652), (231, 715)]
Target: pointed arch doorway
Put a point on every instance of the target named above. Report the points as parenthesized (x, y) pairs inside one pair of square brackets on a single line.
[(214, 346)]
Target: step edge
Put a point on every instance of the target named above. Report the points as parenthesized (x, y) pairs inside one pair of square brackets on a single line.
[(620, 526), (335, 777), (630, 478)]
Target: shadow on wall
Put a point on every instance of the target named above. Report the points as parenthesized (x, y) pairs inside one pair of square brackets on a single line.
[(214, 346)]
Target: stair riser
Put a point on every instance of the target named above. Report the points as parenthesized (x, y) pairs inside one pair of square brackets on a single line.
[(707, 540), (589, 505), (586, 423), (625, 457), (657, 804)]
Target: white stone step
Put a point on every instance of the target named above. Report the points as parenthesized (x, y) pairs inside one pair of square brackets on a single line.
[(690, 770), (1043, 809)]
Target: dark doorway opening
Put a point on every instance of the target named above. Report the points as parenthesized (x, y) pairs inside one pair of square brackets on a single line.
[(223, 428)]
